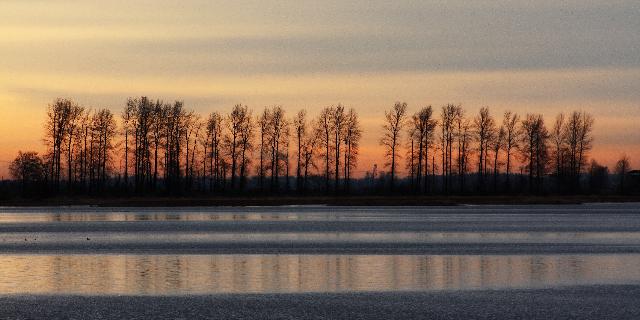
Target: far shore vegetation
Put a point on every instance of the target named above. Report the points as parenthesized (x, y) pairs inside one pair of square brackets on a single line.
[(108, 201), (160, 153)]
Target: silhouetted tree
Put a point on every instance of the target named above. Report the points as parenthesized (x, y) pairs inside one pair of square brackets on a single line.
[(300, 128), (159, 114), (175, 132), (29, 169), (246, 147), (572, 141), (263, 122), (622, 168), (81, 147), (534, 149), (324, 127), (580, 140), (463, 135), (512, 137), (286, 146), (193, 126), (236, 123), (352, 135), (103, 133), (422, 132), (447, 136), (411, 154), (278, 124), (498, 144), (127, 117), (311, 141), (75, 113), (214, 138), (338, 123), (141, 125), (559, 139), (59, 128), (485, 130), (392, 130)]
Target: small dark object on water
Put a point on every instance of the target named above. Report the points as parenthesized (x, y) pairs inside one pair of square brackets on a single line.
[(88, 239)]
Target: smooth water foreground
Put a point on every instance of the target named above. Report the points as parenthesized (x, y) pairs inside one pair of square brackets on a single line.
[(179, 251)]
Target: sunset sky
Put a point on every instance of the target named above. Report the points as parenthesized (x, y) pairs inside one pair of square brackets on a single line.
[(539, 56)]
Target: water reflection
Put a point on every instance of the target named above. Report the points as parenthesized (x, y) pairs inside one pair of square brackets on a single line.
[(130, 239), (543, 215), (203, 274), (144, 215)]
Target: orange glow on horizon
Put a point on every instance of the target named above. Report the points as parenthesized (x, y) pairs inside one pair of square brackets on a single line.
[(299, 55)]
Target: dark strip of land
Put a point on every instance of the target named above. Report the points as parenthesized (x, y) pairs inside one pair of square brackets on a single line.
[(317, 247), (588, 302), (257, 200)]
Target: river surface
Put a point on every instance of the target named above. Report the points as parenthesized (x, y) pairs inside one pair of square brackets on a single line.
[(182, 251)]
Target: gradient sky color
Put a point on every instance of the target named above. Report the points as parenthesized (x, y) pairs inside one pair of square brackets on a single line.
[(529, 56)]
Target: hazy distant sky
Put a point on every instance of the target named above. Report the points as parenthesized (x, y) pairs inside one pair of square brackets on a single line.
[(529, 56)]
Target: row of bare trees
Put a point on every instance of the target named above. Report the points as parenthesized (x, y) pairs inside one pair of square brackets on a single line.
[(456, 138), (571, 142), (338, 133), (165, 147), (85, 137), (156, 146)]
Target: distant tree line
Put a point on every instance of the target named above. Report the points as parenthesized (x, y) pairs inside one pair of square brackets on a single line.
[(157, 147), (440, 152)]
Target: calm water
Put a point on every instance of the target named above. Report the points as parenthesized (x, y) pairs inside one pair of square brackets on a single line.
[(202, 274), (265, 250)]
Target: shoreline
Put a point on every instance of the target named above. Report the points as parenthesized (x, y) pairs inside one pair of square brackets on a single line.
[(317, 248), (241, 201), (580, 302)]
